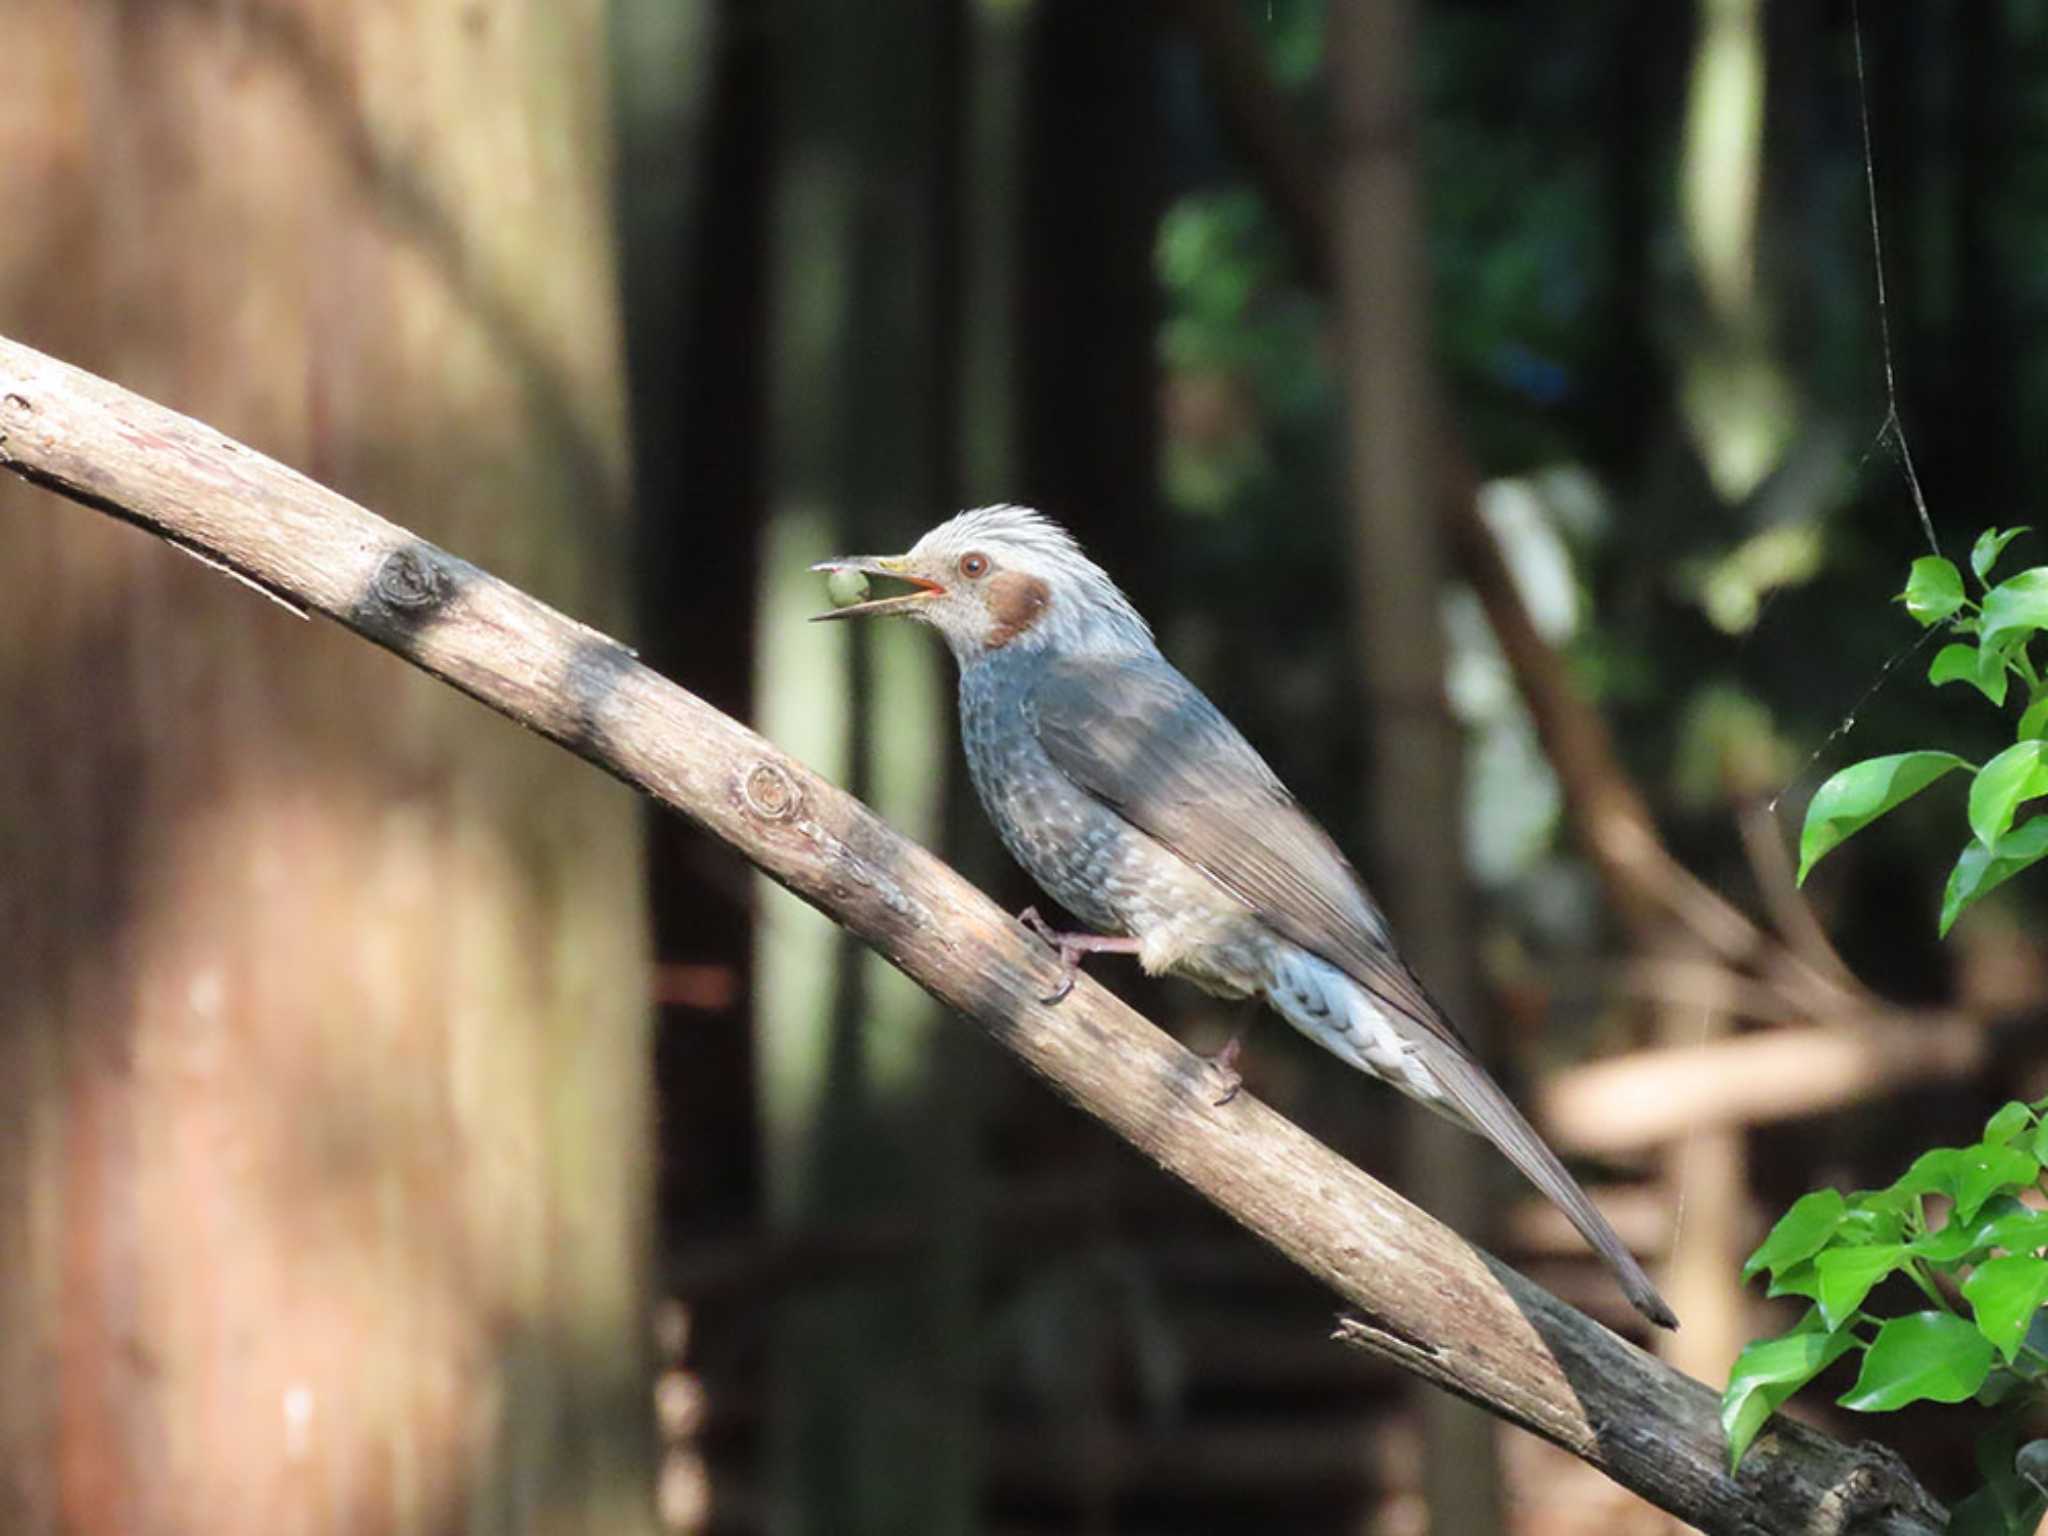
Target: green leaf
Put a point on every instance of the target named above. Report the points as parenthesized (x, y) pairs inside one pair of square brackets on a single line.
[(2002, 1223), (2025, 1231), (1887, 1204), (2011, 1118), (1875, 1216), (1847, 1275), (2005, 1294), (2034, 722), (1951, 1244), (1993, 676), (1990, 1512), (2017, 774), (1969, 1175), (1984, 670), (1983, 1171), (1986, 1513), (1800, 1233), (1980, 870), (2016, 606), (1796, 1279), (1861, 793), (2011, 1488), (2000, 1384), (1995, 1452), (1771, 1370), (1923, 1357), (1989, 546), (1934, 589), (1933, 1173), (1953, 663), (1979, 1515)]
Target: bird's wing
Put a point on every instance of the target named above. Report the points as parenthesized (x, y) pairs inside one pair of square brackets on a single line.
[(1142, 739), (1145, 741)]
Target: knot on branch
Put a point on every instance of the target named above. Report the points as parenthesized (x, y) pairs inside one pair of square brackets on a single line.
[(12, 404), (411, 582), (771, 793), (1880, 1488)]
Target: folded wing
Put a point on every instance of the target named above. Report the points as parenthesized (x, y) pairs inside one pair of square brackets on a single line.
[(1139, 737)]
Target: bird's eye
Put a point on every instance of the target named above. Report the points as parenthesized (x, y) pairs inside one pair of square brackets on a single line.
[(973, 565)]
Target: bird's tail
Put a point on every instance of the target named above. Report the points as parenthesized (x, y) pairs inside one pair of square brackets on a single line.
[(1480, 1103), (1425, 1059)]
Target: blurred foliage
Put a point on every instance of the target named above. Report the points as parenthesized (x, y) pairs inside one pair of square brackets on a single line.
[(1243, 351), (1734, 642)]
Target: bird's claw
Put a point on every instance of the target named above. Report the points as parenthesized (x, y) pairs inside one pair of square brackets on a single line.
[(1070, 958), (1071, 947), (1224, 1064)]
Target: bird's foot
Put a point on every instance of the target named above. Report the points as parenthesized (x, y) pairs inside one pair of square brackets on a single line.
[(1071, 947), (1224, 1065)]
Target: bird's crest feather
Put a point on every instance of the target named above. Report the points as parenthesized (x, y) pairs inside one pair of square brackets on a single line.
[(1090, 613)]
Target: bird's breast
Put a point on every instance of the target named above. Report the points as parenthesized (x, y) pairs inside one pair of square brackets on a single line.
[(1107, 872)]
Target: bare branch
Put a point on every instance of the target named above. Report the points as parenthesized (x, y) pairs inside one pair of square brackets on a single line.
[(1628, 1103), (1778, 884), (1428, 1301)]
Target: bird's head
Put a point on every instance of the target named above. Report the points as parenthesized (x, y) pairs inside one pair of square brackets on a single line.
[(1002, 579)]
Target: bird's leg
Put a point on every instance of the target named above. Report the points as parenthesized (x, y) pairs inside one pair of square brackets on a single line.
[(1071, 947), (1224, 1063)]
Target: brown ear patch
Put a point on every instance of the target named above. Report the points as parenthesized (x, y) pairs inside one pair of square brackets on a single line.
[(1016, 602)]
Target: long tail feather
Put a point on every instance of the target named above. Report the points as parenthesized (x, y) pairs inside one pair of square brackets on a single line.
[(1481, 1104), (1425, 1059)]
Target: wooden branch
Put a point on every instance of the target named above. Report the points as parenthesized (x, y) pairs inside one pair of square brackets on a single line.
[(1778, 883), (1647, 888), (1427, 1300)]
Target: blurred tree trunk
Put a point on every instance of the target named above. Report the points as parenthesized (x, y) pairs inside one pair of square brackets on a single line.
[(864, 1104), (695, 100), (1087, 444), (1382, 304), (324, 1169), (1087, 345), (1740, 420)]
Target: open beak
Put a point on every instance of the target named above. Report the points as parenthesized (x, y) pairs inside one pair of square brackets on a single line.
[(890, 567)]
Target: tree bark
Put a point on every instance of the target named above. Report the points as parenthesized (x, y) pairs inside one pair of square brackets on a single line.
[(324, 1161), (1427, 1301), (694, 83)]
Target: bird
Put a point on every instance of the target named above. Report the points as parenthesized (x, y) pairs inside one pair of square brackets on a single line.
[(1137, 806)]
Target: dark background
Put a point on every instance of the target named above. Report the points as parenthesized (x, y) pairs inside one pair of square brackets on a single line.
[(923, 255), (1487, 403)]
